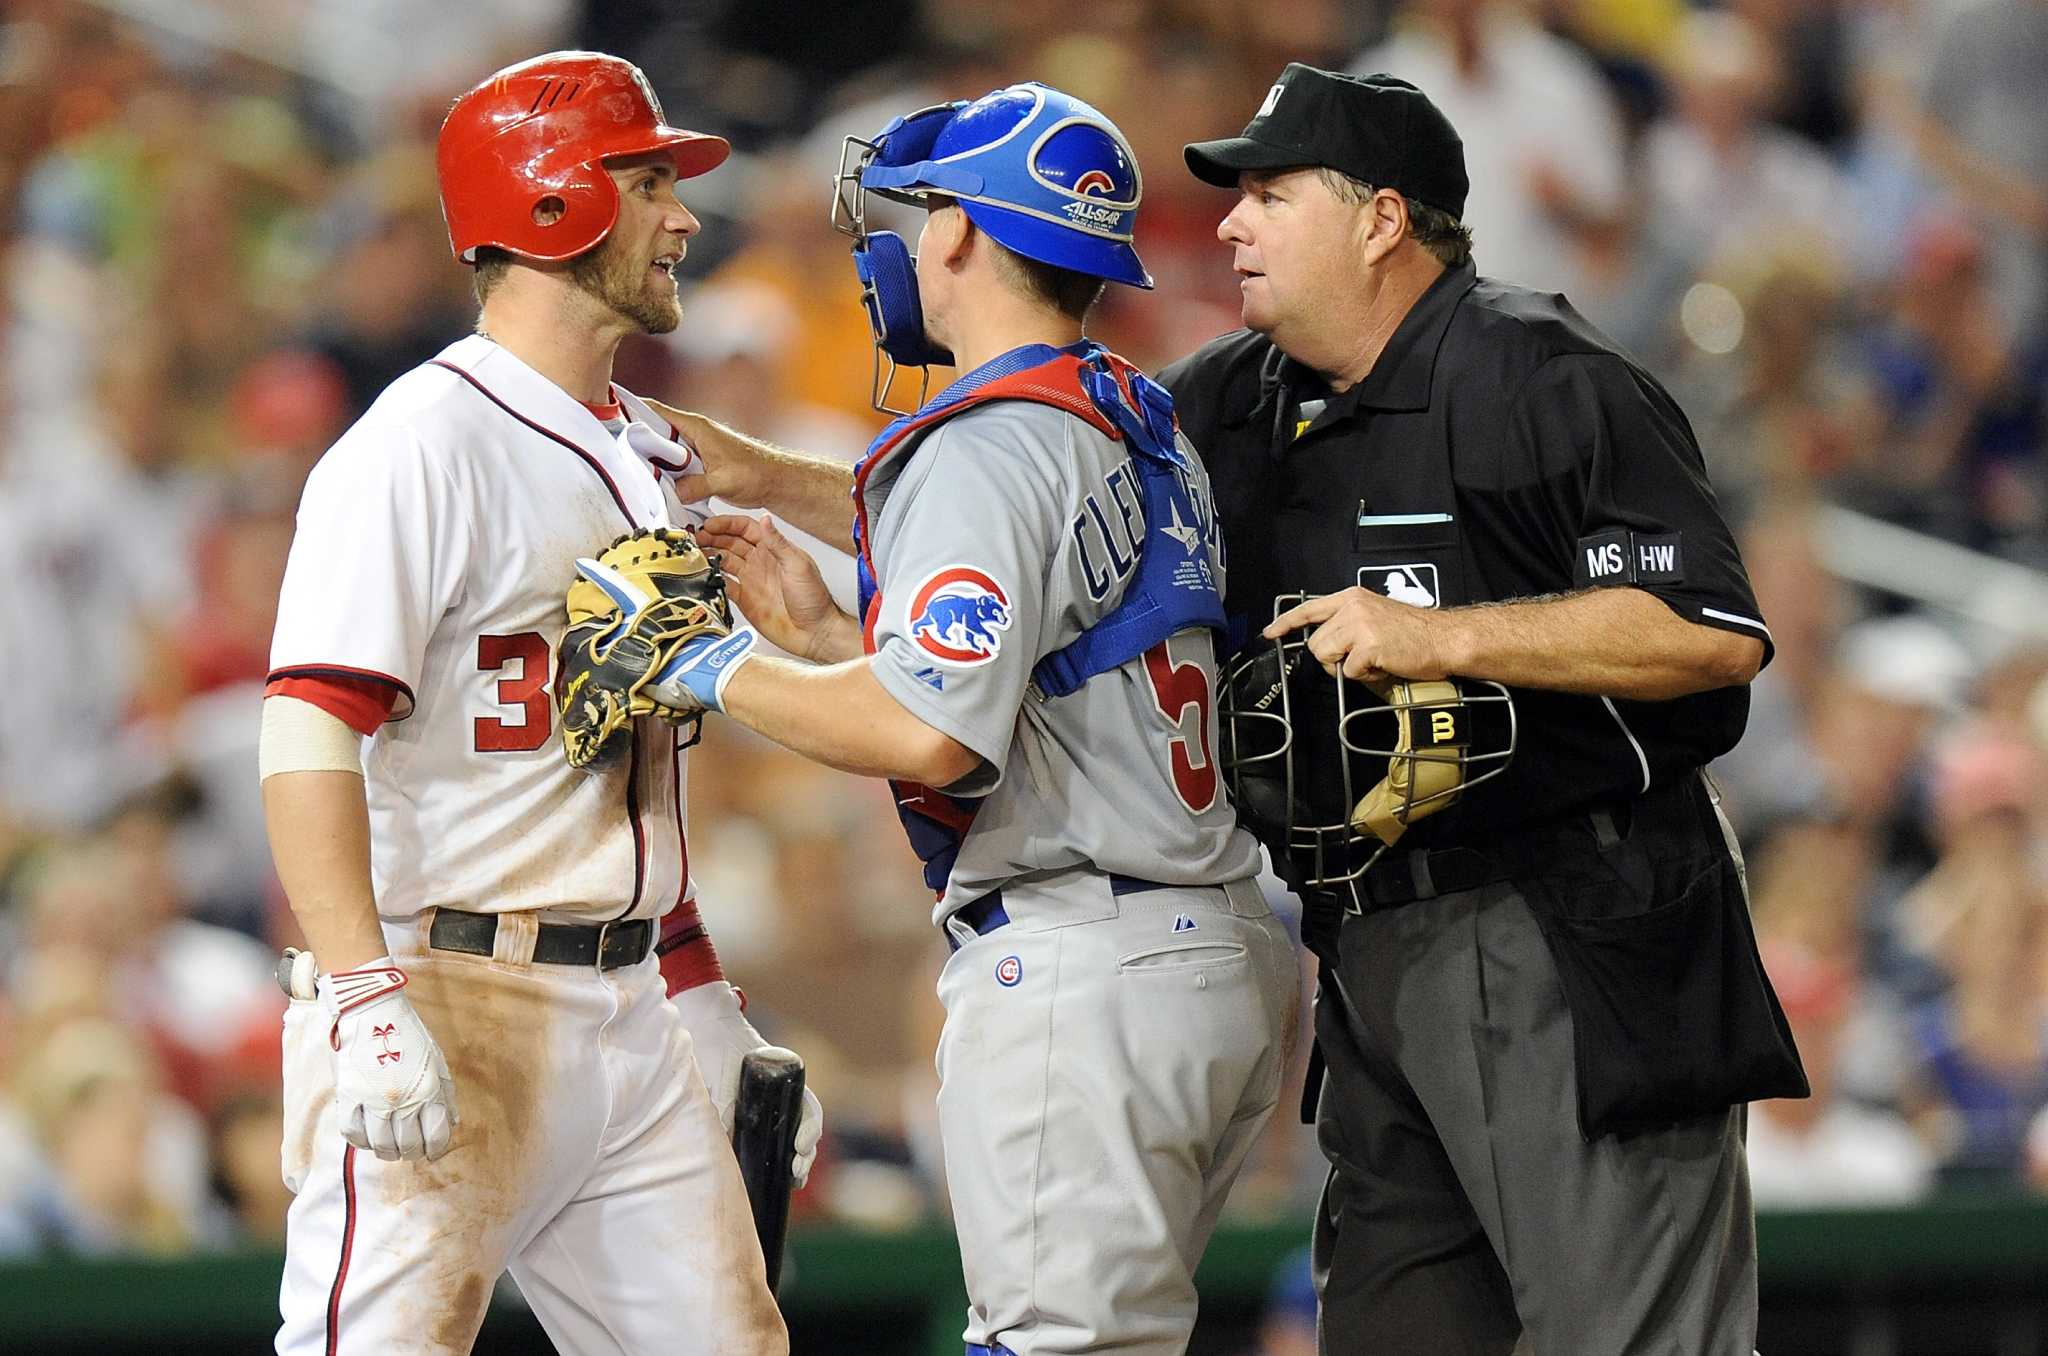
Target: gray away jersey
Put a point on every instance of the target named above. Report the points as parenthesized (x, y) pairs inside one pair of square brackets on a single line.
[(1011, 529)]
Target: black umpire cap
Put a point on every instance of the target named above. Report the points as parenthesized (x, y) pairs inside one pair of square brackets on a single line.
[(1375, 128)]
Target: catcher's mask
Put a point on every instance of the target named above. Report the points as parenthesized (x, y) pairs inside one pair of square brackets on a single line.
[(1430, 742), (1043, 174)]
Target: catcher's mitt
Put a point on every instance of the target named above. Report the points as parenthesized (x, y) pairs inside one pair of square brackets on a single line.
[(630, 610)]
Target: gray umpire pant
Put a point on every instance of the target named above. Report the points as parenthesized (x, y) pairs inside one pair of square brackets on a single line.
[(1463, 1210)]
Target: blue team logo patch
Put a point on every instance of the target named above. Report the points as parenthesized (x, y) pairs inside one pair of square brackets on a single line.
[(1009, 970), (958, 615)]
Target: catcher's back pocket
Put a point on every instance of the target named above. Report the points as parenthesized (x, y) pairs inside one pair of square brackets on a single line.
[(1180, 956), (1672, 1016)]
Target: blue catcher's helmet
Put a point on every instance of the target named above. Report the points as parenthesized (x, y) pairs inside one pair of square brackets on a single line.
[(1044, 174)]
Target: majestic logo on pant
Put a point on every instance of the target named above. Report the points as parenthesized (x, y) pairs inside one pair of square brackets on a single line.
[(1009, 970), (384, 1034), (957, 616)]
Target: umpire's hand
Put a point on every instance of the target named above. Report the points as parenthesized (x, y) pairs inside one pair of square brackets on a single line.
[(1368, 637)]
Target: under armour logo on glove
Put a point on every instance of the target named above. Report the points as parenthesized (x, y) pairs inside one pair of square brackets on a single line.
[(391, 1085)]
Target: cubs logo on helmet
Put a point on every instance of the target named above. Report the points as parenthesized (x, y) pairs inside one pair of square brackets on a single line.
[(1083, 160), (958, 615)]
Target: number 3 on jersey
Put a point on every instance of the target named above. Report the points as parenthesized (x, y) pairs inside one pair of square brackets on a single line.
[(1183, 692), (525, 690)]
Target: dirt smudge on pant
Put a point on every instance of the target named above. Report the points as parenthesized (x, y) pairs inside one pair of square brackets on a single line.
[(466, 1210), (456, 1328)]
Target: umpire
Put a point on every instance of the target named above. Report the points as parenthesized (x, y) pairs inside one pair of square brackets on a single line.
[(1541, 1011)]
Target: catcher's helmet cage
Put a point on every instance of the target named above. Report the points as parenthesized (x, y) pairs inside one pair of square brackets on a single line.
[(1044, 174), (1303, 800), (542, 129)]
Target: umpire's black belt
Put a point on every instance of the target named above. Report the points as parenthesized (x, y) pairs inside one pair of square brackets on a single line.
[(987, 914), (1423, 873), (1402, 877), (605, 945)]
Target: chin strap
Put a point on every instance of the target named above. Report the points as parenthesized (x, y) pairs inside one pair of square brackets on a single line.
[(888, 283)]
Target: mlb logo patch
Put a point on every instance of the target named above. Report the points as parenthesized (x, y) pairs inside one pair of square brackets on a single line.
[(1414, 583), (958, 616), (1009, 970)]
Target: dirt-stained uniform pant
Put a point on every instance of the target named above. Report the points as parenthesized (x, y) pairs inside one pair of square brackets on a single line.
[(1100, 1085), (1464, 1214), (589, 1161)]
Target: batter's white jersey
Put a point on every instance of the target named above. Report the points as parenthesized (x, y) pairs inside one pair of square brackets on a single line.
[(435, 542)]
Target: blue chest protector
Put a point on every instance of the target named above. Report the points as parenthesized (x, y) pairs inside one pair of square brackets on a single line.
[(1172, 589)]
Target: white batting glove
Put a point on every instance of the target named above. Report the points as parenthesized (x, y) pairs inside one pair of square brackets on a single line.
[(723, 1037), (391, 1084)]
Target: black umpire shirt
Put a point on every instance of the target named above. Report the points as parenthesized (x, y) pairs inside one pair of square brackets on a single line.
[(1500, 448)]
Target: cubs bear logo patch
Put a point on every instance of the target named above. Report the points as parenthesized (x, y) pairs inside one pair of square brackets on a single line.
[(958, 615)]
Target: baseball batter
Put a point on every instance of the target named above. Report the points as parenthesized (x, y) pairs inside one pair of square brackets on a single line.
[(485, 1073), (1035, 670)]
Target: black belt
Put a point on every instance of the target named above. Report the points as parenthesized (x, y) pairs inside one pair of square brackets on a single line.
[(1400, 877), (1423, 873), (605, 945), (1397, 878), (987, 914)]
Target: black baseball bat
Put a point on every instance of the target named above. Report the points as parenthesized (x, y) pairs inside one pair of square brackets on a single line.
[(769, 1106)]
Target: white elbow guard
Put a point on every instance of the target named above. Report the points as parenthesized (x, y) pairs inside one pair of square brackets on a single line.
[(300, 737)]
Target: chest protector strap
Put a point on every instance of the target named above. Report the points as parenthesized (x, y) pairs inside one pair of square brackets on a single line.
[(1173, 587)]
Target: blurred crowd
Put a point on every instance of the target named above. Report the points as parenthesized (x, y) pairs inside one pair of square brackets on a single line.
[(1823, 223)]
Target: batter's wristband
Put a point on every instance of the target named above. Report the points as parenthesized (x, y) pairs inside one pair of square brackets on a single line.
[(353, 988), (686, 954)]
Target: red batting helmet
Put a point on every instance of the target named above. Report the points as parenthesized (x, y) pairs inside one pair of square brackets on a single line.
[(541, 129)]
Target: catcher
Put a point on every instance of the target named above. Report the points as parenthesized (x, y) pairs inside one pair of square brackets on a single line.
[(1033, 667)]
